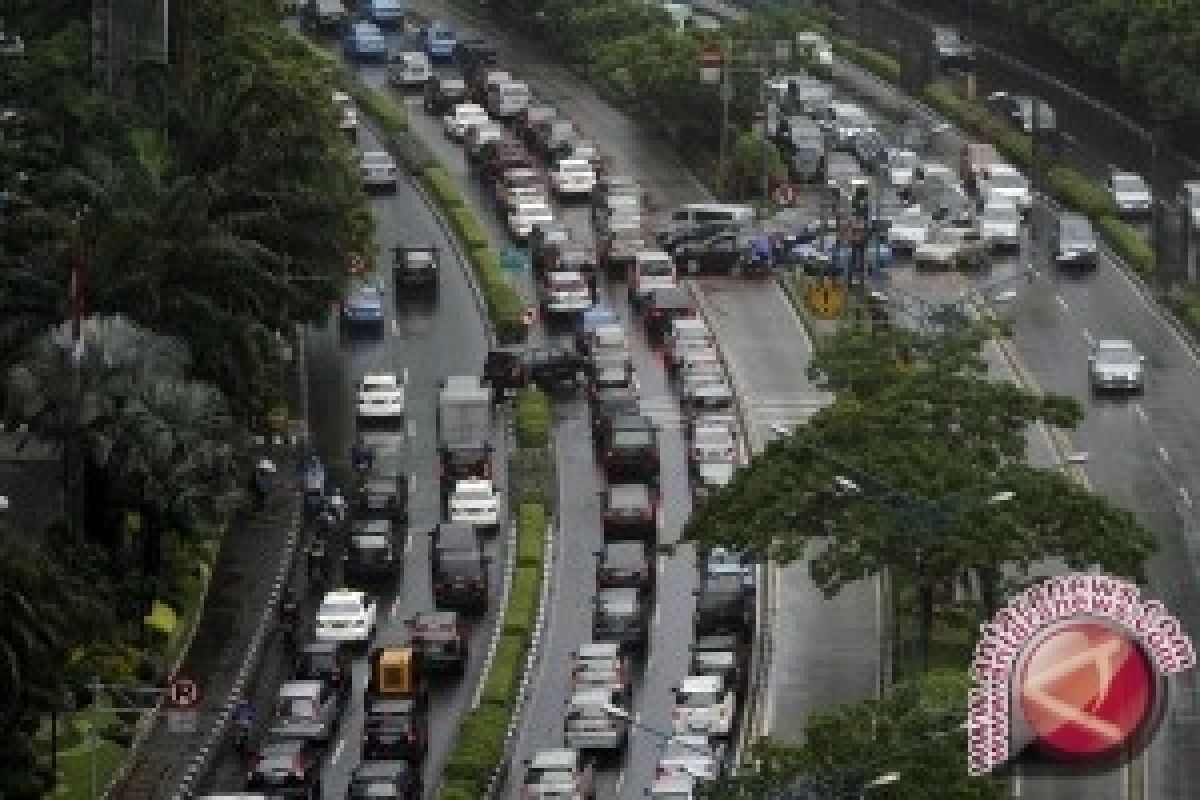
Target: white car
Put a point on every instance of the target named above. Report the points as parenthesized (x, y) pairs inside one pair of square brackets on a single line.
[(476, 502), (608, 340), (464, 117), (712, 438), (1000, 225), (1004, 180), (525, 214), (381, 397), (703, 706), (677, 786), (573, 177), (346, 615), (589, 723), (652, 269), (599, 658), (688, 755), (721, 561), (686, 334), (901, 166), (1130, 193), (909, 230), (565, 293), (378, 170), (515, 195), (347, 113), (409, 70)]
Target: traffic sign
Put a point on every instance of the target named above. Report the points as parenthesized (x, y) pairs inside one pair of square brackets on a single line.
[(183, 693), (825, 300), (182, 720)]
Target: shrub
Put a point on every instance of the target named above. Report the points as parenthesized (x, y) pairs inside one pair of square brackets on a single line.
[(479, 747), (533, 418), (531, 534), (1074, 189), (443, 188), (881, 64), (508, 667), (1015, 146), (523, 597), (458, 790), (1128, 243), (467, 226)]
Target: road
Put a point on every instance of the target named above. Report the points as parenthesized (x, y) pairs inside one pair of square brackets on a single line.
[(431, 343)]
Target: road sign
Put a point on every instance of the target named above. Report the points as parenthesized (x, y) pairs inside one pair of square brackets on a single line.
[(183, 693), (182, 720), (825, 300)]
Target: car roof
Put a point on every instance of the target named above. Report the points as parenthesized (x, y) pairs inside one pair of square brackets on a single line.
[(380, 769), (344, 596), (618, 599), (701, 683), (1115, 344), (473, 485), (599, 650), (559, 758), (300, 688), (370, 541)]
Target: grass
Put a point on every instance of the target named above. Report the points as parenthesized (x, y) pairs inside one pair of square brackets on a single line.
[(508, 667), (531, 540), (478, 749), (953, 638), (75, 764), (533, 418)]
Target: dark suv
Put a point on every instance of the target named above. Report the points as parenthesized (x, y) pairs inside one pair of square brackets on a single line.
[(371, 557), (393, 728), (324, 661), (460, 577), (630, 448), (630, 512), (441, 639), (443, 94), (625, 565), (662, 306), (607, 405), (385, 780), (382, 497), (416, 272), (621, 615), (723, 604), (289, 767)]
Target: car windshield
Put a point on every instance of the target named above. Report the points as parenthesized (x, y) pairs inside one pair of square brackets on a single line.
[(716, 437), (699, 699), (569, 284), (320, 661), (1007, 181), (1116, 354), (905, 160), (657, 267), (376, 159), (339, 608), (296, 707), (473, 494), (632, 438), (1001, 214), (1128, 183), (576, 168)]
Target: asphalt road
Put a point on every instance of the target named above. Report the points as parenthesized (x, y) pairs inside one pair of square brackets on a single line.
[(430, 342)]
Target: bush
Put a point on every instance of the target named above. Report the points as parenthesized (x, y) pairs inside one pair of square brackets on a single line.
[(1015, 146), (479, 747), (531, 534), (533, 418), (523, 597), (1074, 189), (443, 188), (458, 790), (467, 226), (881, 64), (505, 307), (1128, 243), (508, 667)]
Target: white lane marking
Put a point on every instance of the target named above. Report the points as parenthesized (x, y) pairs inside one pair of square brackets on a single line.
[(1062, 302), (395, 610), (408, 545), (410, 429), (1140, 413), (1087, 337), (1164, 455), (395, 327), (337, 751), (620, 782), (1185, 496)]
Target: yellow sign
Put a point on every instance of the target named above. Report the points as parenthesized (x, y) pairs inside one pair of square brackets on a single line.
[(826, 300)]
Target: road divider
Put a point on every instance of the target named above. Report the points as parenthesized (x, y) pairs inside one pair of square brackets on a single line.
[(873, 61)]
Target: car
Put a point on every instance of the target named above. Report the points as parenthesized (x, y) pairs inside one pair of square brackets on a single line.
[(688, 755), (416, 271), (381, 497), (704, 706), (476, 502), (520, 183), (621, 615), (462, 118), (606, 339), (386, 13), (441, 638), (372, 557), (1073, 241), (11, 45), (661, 307), (549, 135), (630, 511), (499, 157), (723, 605), (554, 364), (484, 80), (573, 257), (610, 370), (527, 214), (870, 148), (712, 438), (545, 240), (573, 178), (459, 567), (347, 113), (565, 293), (718, 656), (394, 728), (590, 724), (603, 679), (608, 404), (598, 657), (700, 361), (528, 121), (625, 564), (1000, 226), (651, 270), (901, 166), (363, 310), (706, 393), (473, 55), (439, 41), (507, 99), (844, 173), (1130, 194), (673, 786), (346, 615), (329, 662), (479, 138), (1006, 182), (396, 673), (442, 94), (630, 448), (1116, 365), (1189, 200), (364, 41), (686, 335), (409, 70), (380, 397), (951, 49), (286, 766), (560, 774), (396, 780), (614, 209), (908, 231), (306, 710), (378, 170), (722, 561), (951, 248)]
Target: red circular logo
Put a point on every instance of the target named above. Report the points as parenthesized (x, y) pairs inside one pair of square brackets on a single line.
[(1086, 689)]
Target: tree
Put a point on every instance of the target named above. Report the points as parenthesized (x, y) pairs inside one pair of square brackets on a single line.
[(918, 466), (914, 731), (752, 157)]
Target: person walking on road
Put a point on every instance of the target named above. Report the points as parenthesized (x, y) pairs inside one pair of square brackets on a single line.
[(244, 717)]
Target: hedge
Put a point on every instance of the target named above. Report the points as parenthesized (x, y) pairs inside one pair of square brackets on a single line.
[(458, 790), (467, 226), (531, 517), (880, 64), (533, 418), (443, 188), (1074, 189), (508, 667), (1129, 244), (478, 748), (523, 594)]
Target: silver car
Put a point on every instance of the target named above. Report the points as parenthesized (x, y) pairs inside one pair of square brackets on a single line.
[(1116, 365)]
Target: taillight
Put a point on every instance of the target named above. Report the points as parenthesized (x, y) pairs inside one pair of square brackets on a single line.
[(412, 737), (477, 585)]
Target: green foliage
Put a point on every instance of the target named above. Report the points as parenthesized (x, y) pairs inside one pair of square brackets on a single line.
[(444, 190), (1072, 188), (523, 601), (1130, 245), (467, 226), (533, 418), (881, 64), (478, 747), (531, 534), (458, 790), (750, 153), (508, 667)]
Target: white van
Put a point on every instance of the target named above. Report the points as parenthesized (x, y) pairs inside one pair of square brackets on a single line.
[(689, 217), (409, 70)]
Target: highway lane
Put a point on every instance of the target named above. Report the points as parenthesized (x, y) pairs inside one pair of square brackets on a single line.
[(431, 343)]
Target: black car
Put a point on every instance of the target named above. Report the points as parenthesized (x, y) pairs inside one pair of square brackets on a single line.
[(504, 369), (528, 120), (718, 254), (609, 371), (664, 305), (474, 56), (393, 728), (381, 497), (630, 448), (630, 511), (441, 638), (460, 577), (544, 243), (371, 558), (385, 780), (625, 564), (324, 661), (497, 157), (443, 94), (621, 615), (608, 404), (723, 604), (553, 365), (416, 270), (286, 767)]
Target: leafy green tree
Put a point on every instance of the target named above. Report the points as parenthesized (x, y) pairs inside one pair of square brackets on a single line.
[(913, 734), (918, 466), (752, 157)]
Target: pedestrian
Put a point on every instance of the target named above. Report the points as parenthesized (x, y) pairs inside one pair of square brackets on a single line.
[(244, 716), (362, 456)]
